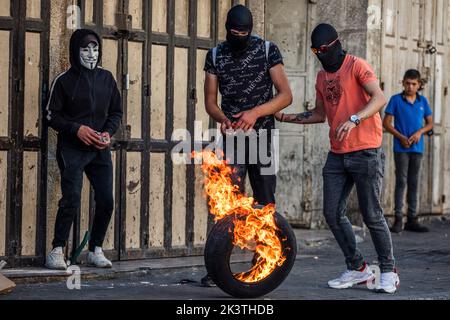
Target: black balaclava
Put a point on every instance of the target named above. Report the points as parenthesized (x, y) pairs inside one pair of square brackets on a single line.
[(325, 34), (239, 18)]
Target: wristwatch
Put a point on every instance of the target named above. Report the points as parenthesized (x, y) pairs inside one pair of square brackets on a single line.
[(355, 119)]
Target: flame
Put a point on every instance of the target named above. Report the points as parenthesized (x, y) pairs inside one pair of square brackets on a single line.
[(254, 229)]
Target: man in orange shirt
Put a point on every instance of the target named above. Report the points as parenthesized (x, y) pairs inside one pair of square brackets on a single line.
[(348, 95)]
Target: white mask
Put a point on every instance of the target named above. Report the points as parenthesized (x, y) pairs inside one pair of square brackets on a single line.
[(89, 56)]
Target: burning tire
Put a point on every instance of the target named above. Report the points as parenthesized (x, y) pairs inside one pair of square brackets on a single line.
[(219, 247)]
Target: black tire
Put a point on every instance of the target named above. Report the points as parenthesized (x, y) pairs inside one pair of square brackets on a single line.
[(219, 247)]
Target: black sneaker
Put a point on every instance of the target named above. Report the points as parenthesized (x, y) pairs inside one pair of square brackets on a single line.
[(208, 282), (397, 227), (415, 226)]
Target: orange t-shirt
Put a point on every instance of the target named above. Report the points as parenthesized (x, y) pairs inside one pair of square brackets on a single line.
[(343, 96)]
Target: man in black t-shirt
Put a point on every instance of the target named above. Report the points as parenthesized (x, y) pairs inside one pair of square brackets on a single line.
[(245, 69), (244, 79)]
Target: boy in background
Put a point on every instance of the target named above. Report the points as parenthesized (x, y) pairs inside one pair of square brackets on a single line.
[(412, 119)]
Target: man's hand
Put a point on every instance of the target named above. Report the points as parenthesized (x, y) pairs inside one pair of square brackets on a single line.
[(226, 125), (105, 141), (247, 120), (90, 137), (405, 142), (344, 129), (415, 138)]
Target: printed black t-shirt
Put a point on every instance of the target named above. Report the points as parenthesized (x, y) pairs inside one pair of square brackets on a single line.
[(245, 82)]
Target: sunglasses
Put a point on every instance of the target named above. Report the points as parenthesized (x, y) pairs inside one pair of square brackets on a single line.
[(325, 48)]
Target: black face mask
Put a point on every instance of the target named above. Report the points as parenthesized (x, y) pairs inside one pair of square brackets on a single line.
[(333, 59), (239, 18), (238, 43)]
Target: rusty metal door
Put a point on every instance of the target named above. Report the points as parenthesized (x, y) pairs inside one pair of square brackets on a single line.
[(288, 24), (24, 35), (414, 36), (156, 50)]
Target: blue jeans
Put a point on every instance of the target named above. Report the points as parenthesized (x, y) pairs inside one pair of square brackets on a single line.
[(363, 169)]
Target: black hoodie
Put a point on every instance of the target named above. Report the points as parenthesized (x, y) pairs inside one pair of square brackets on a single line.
[(80, 96)]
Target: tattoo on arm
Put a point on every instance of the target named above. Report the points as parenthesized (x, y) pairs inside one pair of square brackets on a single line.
[(303, 116)]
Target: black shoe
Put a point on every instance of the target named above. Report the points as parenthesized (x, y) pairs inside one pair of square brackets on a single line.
[(397, 226), (208, 282), (415, 226)]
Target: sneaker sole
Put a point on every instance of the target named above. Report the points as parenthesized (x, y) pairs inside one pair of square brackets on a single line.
[(55, 268), (397, 285), (351, 284), (100, 267), (386, 291)]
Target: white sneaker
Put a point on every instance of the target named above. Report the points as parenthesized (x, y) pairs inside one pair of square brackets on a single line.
[(98, 259), (55, 260), (351, 277), (389, 283)]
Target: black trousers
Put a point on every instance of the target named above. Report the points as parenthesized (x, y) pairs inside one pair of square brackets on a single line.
[(245, 157), (257, 161), (407, 174), (98, 168)]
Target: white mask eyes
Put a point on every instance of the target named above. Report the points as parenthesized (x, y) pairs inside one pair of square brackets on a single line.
[(90, 47)]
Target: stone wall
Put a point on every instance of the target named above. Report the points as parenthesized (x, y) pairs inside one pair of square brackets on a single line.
[(59, 61)]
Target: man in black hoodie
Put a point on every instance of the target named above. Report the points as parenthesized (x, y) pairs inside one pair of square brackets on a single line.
[(85, 109)]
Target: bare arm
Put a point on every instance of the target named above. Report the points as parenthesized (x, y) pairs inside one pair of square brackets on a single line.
[(316, 115), (415, 138), (211, 105), (428, 125), (387, 124), (376, 103)]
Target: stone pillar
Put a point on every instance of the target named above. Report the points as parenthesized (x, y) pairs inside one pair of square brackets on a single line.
[(59, 61), (257, 7)]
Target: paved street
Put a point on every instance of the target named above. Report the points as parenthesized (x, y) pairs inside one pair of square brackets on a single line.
[(423, 261)]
